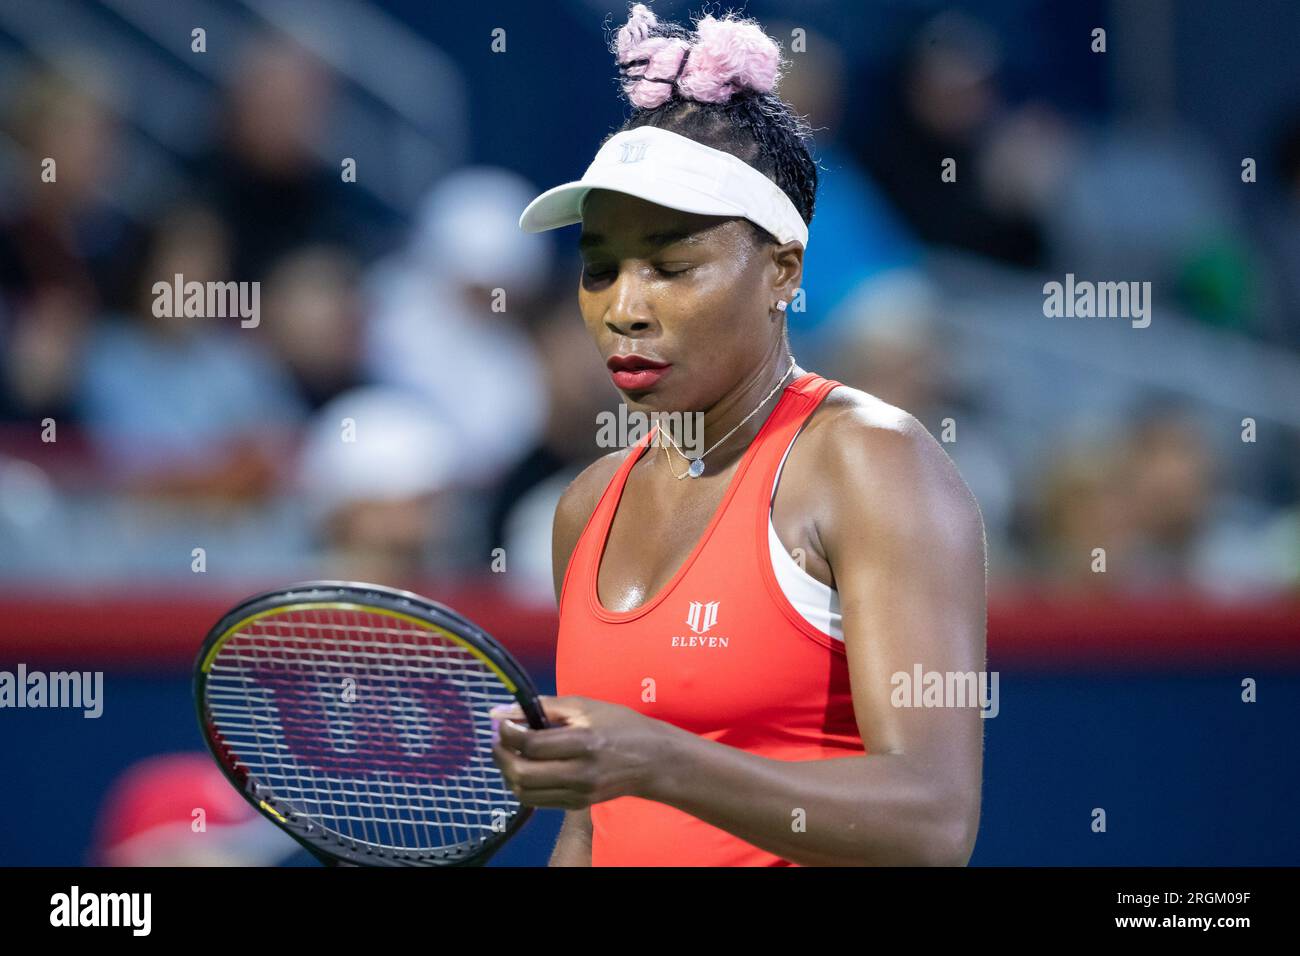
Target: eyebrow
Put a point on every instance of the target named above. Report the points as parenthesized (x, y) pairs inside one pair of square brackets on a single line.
[(656, 240)]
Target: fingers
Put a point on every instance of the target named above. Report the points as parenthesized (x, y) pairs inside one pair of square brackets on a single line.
[(525, 774), (558, 710), (551, 783), (553, 743), (554, 799), (550, 767), (564, 707)]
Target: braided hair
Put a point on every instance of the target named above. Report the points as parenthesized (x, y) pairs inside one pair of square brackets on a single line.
[(717, 87)]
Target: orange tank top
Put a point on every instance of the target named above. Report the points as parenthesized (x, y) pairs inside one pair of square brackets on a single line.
[(720, 651)]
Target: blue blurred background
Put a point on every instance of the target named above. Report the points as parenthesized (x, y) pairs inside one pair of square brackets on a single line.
[(1121, 690)]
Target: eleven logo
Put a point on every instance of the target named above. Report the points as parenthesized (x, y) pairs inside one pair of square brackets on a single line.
[(702, 617)]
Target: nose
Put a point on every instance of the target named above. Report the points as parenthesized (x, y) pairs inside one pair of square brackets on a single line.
[(630, 310)]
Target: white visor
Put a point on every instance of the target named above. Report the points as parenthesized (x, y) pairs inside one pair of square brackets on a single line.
[(671, 170)]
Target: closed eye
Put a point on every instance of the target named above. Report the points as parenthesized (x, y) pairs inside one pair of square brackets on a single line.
[(600, 275)]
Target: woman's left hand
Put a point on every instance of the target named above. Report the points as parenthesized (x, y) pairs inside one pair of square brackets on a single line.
[(593, 751)]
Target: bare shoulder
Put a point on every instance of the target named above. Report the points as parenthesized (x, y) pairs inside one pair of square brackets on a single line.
[(882, 465), (575, 508), (579, 499)]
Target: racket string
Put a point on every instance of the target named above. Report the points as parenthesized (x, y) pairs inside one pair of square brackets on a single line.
[(372, 728)]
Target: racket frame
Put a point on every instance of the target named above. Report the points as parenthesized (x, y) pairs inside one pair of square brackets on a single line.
[(330, 848)]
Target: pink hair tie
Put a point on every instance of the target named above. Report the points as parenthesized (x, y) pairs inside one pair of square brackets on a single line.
[(650, 66), (725, 56), (637, 29), (730, 55), (639, 86)]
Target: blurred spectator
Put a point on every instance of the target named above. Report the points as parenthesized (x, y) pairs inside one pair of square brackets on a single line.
[(1152, 204), (29, 507), (185, 405), (1167, 476), (1279, 238), (446, 317), (946, 102), (577, 391), (1152, 496), (889, 344), (262, 173), (180, 810), (60, 243), (858, 235), (1078, 507), (313, 317), (377, 473), (1193, 530)]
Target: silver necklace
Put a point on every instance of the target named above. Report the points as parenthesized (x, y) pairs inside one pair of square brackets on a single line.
[(697, 464)]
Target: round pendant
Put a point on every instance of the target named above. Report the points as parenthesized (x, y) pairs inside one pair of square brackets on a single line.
[(697, 468)]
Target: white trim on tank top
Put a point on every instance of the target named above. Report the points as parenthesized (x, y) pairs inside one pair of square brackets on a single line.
[(817, 603)]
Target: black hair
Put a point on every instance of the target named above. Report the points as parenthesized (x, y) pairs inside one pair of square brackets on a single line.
[(759, 128)]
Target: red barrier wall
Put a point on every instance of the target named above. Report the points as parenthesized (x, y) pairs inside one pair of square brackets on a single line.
[(162, 630)]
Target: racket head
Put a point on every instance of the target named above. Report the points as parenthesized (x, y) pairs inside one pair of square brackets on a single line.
[(403, 774)]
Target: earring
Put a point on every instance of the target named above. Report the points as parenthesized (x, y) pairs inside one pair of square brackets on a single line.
[(781, 305)]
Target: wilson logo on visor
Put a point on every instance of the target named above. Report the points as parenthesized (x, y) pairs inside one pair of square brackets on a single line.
[(633, 152)]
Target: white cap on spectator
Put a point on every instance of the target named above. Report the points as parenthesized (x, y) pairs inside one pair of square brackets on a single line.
[(374, 443), (467, 229)]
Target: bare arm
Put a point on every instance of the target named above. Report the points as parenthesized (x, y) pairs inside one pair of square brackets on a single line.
[(573, 846)]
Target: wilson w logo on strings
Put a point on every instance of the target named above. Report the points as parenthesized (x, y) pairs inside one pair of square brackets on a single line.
[(408, 726)]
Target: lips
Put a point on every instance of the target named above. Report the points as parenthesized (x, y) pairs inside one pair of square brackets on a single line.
[(633, 373), (632, 363)]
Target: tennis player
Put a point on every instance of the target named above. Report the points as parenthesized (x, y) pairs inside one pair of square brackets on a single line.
[(735, 617)]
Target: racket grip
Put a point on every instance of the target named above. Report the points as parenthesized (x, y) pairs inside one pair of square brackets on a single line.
[(533, 713)]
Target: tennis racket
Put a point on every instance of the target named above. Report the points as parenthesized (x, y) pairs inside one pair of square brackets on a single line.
[(355, 718)]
